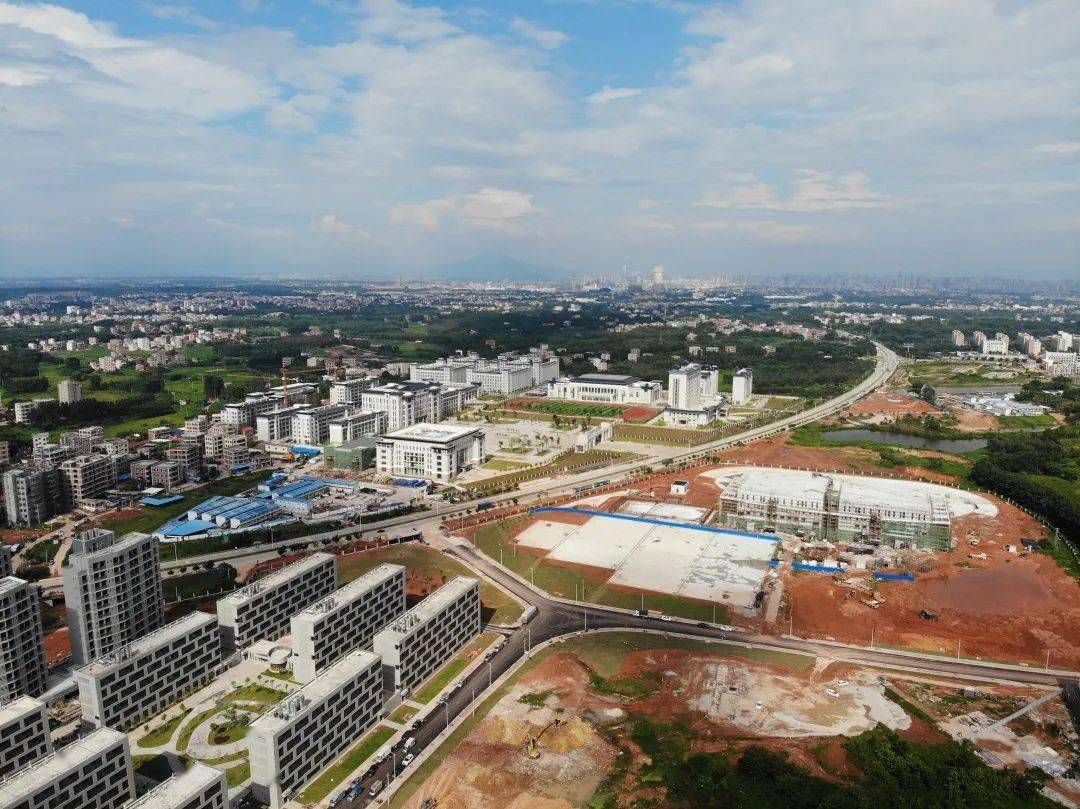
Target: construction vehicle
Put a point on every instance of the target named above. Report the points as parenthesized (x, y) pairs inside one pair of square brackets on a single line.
[(532, 743), (926, 615)]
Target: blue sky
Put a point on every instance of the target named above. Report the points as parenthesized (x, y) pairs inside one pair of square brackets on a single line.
[(373, 137)]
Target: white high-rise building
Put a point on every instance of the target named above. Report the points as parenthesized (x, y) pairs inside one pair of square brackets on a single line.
[(91, 773), (349, 391), (356, 425), (742, 386), (429, 634), (346, 620), (296, 739), (69, 391), (142, 679), (112, 591), (409, 403), (1063, 341), (22, 646), (262, 609)]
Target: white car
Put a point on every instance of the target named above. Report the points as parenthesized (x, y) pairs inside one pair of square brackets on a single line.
[(759, 705), (832, 692), (665, 617), (405, 762), (841, 683)]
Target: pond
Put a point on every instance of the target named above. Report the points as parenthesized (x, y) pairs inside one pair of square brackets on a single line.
[(955, 445)]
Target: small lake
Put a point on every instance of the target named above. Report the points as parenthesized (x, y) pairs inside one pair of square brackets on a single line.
[(955, 445)]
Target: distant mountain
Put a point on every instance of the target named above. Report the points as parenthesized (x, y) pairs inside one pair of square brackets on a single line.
[(495, 267)]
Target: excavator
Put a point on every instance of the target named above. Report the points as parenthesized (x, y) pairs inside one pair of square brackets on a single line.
[(532, 743)]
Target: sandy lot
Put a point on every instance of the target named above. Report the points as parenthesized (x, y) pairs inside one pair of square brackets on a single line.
[(892, 402)]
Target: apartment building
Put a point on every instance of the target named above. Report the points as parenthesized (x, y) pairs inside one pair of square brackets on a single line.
[(200, 786), (607, 388), (167, 474), (84, 440), (5, 562), (1062, 341), (140, 680), (214, 439), (430, 451), (277, 424), (357, 425), (295, 740), (414, 646), (85, 478), (91, 773), (24, 734), (22, 644), (31, 494), (239, 414), (262, 609), (958, 338), (312, 426), (189, 454), (1060, 363), (69, 391), (112, 591), (349, 391), (196, 427), (23, 410), (346, 620)]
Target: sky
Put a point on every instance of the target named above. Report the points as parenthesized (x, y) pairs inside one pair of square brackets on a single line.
[(374, 138)]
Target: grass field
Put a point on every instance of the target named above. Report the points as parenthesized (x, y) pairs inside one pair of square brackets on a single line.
[(499, 465), (571, 409), (440, 679), (561, 581), (334, 775), (403, 714), (161, 734), (499, 608)]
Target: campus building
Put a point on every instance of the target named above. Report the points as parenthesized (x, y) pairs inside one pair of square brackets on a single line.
[(200, 786), (112, 591), (742, 386), (414, 646), (296, 739), (94, 771), (837, 507), (348, 391), (24, 734), (22, 647), (312, 426), (262, 609), (430, 451), (140, 680), (239, 414), (346, 620), (357, 425), (445, 371), (606, 388), (409, 403)]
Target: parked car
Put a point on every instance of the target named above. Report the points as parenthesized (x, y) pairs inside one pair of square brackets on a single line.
[(405, 762)]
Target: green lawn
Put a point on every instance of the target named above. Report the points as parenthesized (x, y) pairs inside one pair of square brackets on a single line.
[(403, 714), (189, 728), (433, 567), (499, 465), (237, 775), (561, 581), (334, 775), (162, 734), (444, 676), (254, 692), (573, 409)]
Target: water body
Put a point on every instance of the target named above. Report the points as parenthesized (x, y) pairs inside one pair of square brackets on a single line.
[(955, 445)]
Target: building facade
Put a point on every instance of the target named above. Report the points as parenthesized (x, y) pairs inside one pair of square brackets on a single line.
[(262, 610), (430, 451), (22, 645), (742, 386), (112, 591), (24, 734), (607, 388), (85, 478), (91, 773), (409, 403), (140, 680), (414, 646), (31, 494), (295, 740), (354, 426), (346, 620), (349, 391)]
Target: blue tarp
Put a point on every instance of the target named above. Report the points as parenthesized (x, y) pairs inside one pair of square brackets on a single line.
[(894, 577), (161, 501), (414, 483), (815, 568), (632, 518)]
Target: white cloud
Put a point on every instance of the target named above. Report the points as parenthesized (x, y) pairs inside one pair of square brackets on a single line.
[(546, 38), (184, 14), (495, 208), (331, 225), (1063, 148), (814, 192), (609, 94)]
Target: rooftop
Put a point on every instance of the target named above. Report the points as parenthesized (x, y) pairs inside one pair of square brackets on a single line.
[(431, 606), (279, 577), (148, 643), (433, 432), (302, 701), (10, 583), (608, 379), (18, 708), (30, 779), (178, 790)]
